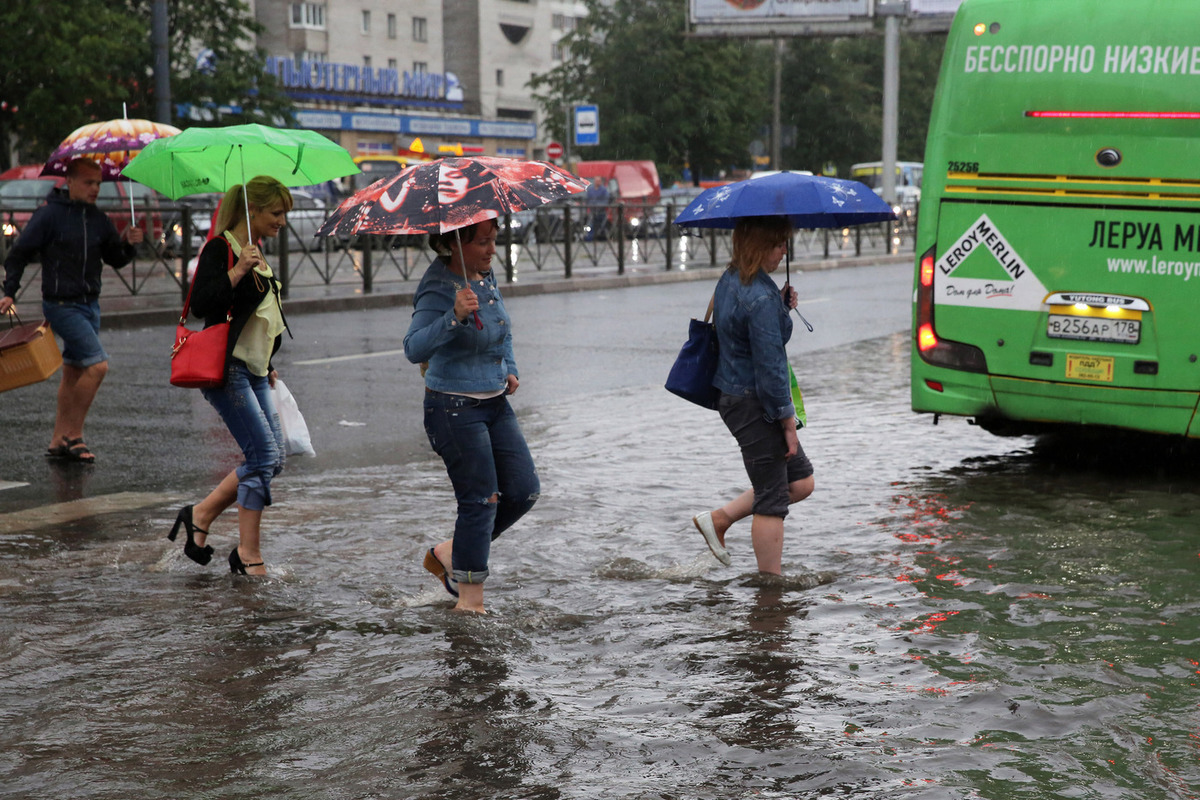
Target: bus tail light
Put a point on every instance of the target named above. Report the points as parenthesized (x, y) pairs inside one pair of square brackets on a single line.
[(926, 338), (933, 349)]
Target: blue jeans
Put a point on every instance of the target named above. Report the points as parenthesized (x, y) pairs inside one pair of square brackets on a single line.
[(78, 325), (248, 410), (485, 454)]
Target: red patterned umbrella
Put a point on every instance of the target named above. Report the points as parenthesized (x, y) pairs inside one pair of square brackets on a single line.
[(110, 144), (450, 193)]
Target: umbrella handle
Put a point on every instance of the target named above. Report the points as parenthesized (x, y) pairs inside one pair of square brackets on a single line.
[(787, 265)]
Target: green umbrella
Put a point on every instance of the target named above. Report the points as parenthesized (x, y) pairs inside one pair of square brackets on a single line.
[(213, 159)]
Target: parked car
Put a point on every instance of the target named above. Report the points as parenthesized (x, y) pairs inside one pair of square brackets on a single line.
[(19, 197), (763, 173), (307, 214), (547, 223), (201, 208), (523, 225), (655, 220), (24, 191), (148, 208)]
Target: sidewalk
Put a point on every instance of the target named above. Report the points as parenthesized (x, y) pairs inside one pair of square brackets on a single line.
[(155, 308)]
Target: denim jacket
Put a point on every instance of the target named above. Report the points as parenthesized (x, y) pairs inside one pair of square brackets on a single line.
[(752, 328), (462, 357)]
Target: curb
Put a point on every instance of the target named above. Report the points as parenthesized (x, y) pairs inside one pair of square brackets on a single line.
[(155, 317)]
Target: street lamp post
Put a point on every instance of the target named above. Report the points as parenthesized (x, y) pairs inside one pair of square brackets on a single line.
[(162, 63), (891, 12)]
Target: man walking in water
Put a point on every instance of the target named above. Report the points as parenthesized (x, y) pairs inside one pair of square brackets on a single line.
[(73, 239)]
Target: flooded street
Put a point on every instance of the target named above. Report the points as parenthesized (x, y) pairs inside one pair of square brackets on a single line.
[(964, 616)]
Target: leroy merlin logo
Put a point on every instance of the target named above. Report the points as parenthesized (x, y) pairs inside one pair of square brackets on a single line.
[(982, 268)]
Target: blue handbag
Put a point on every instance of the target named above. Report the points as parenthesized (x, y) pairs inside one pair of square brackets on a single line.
[(691, 375)]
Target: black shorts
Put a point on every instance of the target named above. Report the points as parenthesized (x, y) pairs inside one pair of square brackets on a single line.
[(764, 454)]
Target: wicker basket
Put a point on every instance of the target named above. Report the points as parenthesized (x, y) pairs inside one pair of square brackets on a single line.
[(28, 354)]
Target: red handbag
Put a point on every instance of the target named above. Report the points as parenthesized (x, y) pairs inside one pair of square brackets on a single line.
[(198, 357)]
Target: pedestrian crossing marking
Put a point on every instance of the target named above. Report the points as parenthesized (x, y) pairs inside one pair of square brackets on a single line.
[(74, 510)]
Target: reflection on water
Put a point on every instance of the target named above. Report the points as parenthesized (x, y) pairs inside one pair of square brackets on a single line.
[(963, 617)]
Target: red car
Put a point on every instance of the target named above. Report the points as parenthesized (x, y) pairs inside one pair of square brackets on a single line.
[(23, 189)]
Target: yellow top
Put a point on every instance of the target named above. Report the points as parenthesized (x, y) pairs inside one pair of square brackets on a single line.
[(257, 340)]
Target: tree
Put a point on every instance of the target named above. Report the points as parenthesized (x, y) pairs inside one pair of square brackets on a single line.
[(680, 101), (834, 98), (70, 72), (230, 75), (91, 60)]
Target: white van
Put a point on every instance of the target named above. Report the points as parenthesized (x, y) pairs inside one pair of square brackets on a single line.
[(762, 173)]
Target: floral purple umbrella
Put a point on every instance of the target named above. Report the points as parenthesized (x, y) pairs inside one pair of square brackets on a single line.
[(110, 144)]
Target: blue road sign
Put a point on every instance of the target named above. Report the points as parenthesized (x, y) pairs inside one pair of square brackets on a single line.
[(587, 125)]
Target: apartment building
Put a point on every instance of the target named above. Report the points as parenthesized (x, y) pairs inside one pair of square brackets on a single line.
[(377, 75)]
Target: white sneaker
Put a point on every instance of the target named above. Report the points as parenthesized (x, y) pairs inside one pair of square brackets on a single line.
[(704, 524)]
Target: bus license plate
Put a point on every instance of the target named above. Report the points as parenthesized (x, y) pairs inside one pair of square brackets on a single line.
[(1094, 329)]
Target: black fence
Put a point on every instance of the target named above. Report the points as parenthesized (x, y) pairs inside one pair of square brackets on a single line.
[(564, 239)]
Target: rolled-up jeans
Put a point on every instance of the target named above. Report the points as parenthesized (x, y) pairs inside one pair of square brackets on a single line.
[(485, 455), (247, 407)]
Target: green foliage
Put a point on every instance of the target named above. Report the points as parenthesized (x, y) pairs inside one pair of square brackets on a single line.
[(833, 96), (64, 73), (702, 102), (228, 28), (81, 60), (663, 96)]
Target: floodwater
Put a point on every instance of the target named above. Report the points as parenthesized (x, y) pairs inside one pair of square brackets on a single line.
[(964, 617)]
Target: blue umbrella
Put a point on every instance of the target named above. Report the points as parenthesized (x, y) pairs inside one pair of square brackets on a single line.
[(809, 201)]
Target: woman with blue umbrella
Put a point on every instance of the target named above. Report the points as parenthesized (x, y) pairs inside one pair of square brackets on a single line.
[(753, 328)]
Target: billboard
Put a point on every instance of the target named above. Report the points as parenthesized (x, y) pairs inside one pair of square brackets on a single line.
[(934, 6), (715, 12)]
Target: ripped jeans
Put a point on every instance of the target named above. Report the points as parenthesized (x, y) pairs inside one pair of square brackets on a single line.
[(485, 455)]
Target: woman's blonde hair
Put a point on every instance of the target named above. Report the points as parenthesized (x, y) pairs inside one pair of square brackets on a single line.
[(263, 192), (753, 240)]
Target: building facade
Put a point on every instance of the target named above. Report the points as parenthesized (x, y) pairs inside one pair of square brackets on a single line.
[(380, 76)]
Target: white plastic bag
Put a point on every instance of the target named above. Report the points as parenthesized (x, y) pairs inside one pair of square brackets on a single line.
[(295, 430)]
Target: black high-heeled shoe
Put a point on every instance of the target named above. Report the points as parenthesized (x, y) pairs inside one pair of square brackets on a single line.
[(235, 563), (201, 555)]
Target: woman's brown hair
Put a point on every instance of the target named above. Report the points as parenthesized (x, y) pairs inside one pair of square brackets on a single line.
[(440, 242), (753, 240)]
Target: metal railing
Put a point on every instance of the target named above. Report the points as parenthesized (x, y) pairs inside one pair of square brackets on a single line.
[(559, 240)]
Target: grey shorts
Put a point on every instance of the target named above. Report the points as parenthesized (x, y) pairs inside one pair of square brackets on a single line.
[(764, 454)]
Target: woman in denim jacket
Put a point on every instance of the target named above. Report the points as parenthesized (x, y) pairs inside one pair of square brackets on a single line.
[(751, 315), (462, 335)]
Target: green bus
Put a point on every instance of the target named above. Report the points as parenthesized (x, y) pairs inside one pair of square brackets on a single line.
[(1058, 246)]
